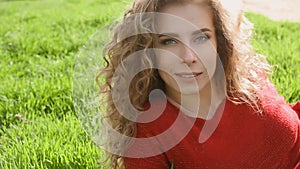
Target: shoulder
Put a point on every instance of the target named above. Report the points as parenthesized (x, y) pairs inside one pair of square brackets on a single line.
[(278, 118), (274, 105), (277, 121)]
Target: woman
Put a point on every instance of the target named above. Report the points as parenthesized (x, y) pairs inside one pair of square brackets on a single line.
[(187, 49)]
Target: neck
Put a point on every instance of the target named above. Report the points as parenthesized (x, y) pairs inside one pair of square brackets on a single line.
[(199, 105)]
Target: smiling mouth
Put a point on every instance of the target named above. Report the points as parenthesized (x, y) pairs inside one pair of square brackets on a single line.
[(189, 75)]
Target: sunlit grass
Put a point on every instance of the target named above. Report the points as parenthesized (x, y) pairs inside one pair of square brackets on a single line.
[(279, 41), (47, 142)]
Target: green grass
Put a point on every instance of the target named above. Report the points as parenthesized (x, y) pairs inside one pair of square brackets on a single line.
[(46, 142), (279, 41), (38, 44)]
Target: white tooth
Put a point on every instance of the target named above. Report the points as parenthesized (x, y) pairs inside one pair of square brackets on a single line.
[(187, 76)]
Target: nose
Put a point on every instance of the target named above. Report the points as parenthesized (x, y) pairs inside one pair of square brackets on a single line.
[(189, 55)]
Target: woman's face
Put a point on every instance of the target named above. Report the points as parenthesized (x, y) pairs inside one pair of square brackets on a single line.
[(187, 43)]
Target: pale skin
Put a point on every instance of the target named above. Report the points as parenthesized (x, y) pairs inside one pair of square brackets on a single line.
[(188, 57)]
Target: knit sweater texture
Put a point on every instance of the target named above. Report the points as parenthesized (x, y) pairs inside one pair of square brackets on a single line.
[(243, 138)]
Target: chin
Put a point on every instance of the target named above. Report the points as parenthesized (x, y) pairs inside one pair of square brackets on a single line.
[(193, 90)]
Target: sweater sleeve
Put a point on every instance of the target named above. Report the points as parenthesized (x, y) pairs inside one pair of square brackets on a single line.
[(285, 125)]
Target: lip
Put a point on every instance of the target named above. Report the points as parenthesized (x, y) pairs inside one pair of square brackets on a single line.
[(189, 75)]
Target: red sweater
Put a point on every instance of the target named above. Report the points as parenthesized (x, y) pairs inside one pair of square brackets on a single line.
[(242, 139)]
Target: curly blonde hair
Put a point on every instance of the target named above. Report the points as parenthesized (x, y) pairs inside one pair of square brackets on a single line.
[(242, 66)]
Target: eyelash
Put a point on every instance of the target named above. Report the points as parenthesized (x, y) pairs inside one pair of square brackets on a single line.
[(203, 37), (170, 41)]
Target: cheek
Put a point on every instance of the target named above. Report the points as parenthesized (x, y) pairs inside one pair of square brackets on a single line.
[(160, 61), (165, 60), (163, 66), (164, 70), (168, 79), (211, 63), (208, 57)]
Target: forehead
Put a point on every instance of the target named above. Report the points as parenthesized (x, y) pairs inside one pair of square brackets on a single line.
[(184, 16)]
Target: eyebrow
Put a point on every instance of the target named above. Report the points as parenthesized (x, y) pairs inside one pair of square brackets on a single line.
[(194, 33), (201, 31)]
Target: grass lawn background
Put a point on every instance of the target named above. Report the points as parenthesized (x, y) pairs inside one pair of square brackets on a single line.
[(39, 40)]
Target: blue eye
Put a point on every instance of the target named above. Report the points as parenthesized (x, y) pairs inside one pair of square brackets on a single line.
[(168, 42), (201, 38)]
